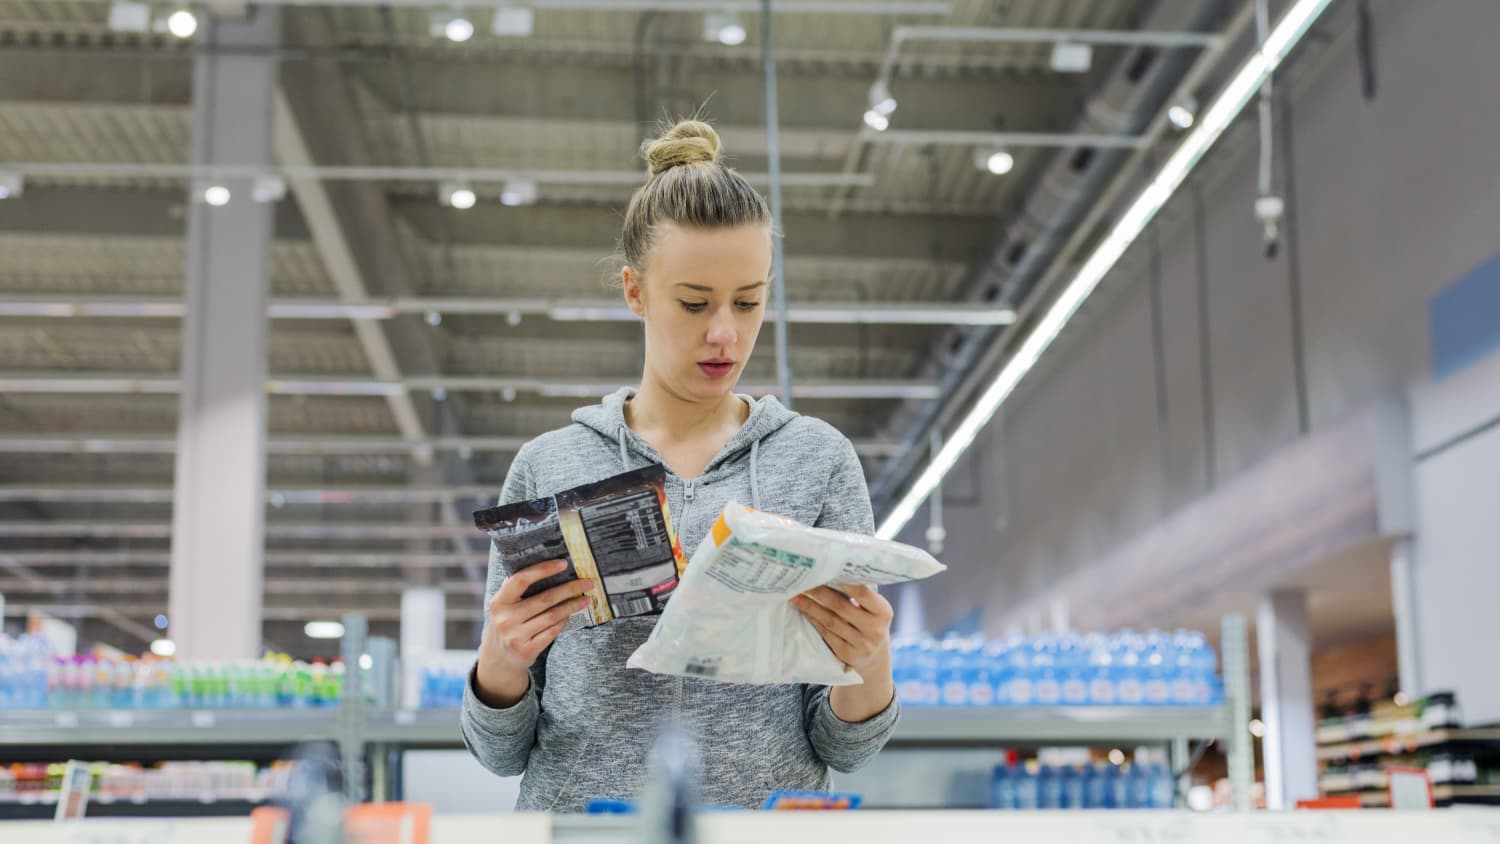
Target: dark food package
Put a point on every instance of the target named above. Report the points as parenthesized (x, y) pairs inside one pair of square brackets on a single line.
[(616, 532)]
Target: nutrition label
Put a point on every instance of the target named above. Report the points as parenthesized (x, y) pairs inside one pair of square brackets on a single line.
[(627, 533), (758, 569)]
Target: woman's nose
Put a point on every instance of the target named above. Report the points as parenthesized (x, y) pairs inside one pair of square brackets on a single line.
[(722, 331)]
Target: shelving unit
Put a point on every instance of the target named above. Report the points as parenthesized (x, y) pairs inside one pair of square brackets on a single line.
[(1442, 795), (145, 728), (1406, 743), (1355, 755), (43, 806), (371, 737)]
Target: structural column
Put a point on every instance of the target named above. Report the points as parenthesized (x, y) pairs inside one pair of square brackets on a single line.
[(218, 520), (1286, 700)]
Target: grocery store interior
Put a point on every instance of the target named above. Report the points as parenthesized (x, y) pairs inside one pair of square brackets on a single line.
[(1170, 327)]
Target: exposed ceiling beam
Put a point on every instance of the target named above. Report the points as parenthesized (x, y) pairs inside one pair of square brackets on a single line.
[(302, 559), (23, 589), (902, 241), (330, 445), (276, 496), (34, 581), (559, 310), (291, 148), (318, 531), (76, 610), (944, 137), (478, 176), (69, 382), (786, 7)]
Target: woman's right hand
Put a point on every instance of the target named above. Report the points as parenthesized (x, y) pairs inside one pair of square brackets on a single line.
[(519, 629)]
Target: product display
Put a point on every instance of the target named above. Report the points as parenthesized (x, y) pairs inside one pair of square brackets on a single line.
[(1093, 786), (442, 687), (616, 532), (209, 780), (1123, 669), (32, 679), (730, 620), (1361, 742)]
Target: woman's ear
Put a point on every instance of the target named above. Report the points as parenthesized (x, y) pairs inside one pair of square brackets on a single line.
[(633, 293)]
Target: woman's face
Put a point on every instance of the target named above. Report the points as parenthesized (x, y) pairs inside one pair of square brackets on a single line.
[(702, 298)]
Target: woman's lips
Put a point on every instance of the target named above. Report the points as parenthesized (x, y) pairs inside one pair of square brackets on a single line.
[(716, 369)]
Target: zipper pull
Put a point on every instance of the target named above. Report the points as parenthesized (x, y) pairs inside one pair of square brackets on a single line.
[(687, 490)]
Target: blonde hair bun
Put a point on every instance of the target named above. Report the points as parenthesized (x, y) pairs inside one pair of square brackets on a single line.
[(689, 142)]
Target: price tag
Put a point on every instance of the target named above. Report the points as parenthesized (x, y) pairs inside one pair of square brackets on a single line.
[(406, 717), (66, 720), (203, 720), (123, 720)]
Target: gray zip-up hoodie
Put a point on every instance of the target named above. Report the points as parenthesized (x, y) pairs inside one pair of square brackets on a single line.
[(585, 727)]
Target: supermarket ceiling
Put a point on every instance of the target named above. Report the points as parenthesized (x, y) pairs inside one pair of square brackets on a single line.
[(93, 250)]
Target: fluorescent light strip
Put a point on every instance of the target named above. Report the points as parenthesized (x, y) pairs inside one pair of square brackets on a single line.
[(1241, 88)]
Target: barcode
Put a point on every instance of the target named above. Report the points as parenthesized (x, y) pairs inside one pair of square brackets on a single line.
[(625, 607), (702, 669)]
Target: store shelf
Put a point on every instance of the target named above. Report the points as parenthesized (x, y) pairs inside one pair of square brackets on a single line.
[(28, 806), (1445, 795), (920, 725), (123, 728), (1394, 744), (1342, 732), (1059, 725), (415, 727)]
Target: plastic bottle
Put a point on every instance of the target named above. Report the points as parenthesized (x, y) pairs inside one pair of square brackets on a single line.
[(1072, 787), (1044, 670), (1119, 782), (124, 692), (927, 671), (1028, 791), (1209, 686), (951, 680), (978, 673), (270, 683), (1099, 671), (335, 686), (1002, 787), (998, 654), (1020, 675), (1129, 690), (1072, 664), (1158, 689), (1140, 787), (1096, 786), (83, 682), (1162, 789), (1049, 788), (1184, 669)]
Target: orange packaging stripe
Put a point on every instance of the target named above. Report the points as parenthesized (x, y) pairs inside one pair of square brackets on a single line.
[(721, 531)]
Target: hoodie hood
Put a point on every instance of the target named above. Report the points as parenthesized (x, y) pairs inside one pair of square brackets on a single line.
[(767, 415)]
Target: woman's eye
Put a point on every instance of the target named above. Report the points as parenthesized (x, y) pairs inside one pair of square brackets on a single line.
[(693, 307), (748, 306)]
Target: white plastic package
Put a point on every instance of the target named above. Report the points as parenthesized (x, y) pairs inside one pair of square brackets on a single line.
[(729, 619)]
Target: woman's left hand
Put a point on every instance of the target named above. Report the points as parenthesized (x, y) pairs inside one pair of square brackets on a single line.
[(856, 624)]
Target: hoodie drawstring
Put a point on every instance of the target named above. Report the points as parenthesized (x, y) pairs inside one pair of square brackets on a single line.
[(624, 455), (754, 480)]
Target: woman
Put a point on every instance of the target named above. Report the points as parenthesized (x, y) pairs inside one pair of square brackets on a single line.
[(552, 698)]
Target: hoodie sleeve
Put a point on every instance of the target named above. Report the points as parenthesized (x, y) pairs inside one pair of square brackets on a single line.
[(845, 746), (501, 739)]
